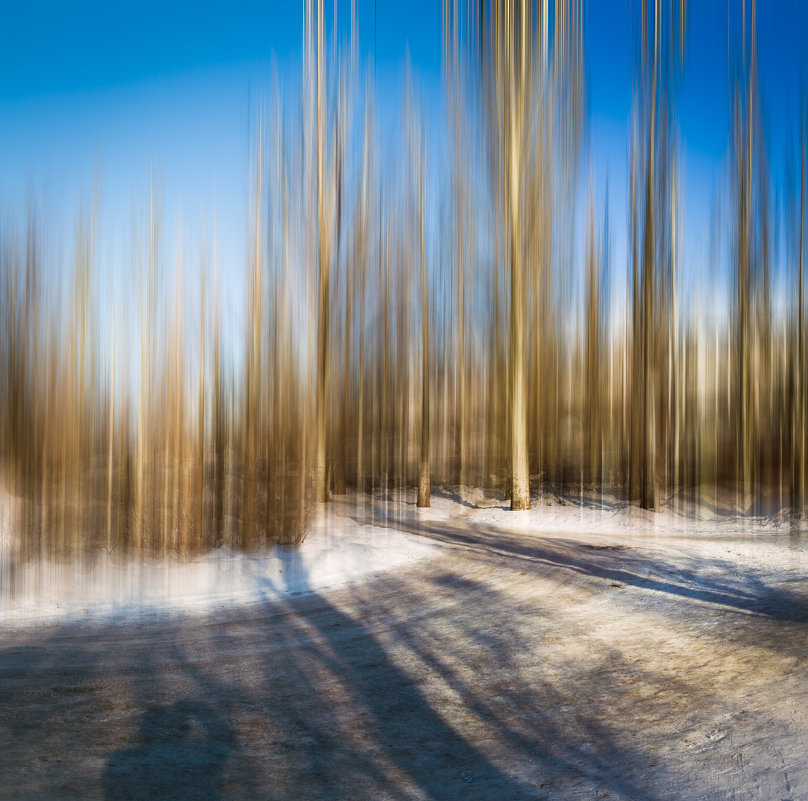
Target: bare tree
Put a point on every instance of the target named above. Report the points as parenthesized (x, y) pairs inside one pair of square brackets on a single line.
[(652, 178), (525, 97)]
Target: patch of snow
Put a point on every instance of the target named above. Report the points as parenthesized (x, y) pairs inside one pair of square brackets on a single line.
[(606, 514), (338, 549), (357, 535)]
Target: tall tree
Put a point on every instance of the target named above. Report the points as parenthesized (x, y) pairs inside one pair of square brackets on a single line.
[(527, 96), (652, 179), (751, 259), (417, 148)]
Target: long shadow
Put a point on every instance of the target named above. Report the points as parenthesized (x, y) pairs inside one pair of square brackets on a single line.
[(180, 754), (536, 734), (402, 723), (39, 673), (606, 501), (619, 566), (302, 698), (453, 495), (397, 719), (341, 714), (313, 703)]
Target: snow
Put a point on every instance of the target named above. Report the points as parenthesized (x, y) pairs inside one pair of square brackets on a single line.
[(337, 550), (356, 536), (581, 649)]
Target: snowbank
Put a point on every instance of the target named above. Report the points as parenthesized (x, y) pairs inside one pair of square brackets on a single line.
[(354, 537), (337, 550)]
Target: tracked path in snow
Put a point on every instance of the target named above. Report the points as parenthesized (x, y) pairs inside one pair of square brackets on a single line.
[(511, 665)]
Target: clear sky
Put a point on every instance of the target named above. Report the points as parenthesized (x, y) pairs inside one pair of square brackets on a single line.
[(120, 92), (126, 90)]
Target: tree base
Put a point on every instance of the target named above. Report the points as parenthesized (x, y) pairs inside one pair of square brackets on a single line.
[(423, 493), (339, 480), (520, 501)]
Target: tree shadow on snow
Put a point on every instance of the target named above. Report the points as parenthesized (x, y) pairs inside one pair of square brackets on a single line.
[(180, 754), (309, 698), (700, 579)]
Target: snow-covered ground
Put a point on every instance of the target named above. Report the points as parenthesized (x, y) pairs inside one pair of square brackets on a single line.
[(351, 538), (580, 650), (337, 550)]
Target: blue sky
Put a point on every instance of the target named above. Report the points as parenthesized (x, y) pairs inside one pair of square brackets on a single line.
[(53, 47), (125, 90)]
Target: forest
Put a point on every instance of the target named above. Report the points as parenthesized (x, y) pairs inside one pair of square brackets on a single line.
[(420, 416), (433, 309)]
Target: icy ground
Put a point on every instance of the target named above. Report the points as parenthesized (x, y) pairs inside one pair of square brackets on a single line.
[(577, 651)]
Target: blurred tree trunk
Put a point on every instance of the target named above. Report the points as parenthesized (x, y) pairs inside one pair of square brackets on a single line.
[(423, 462), (324, 266), (592, 464), (653, 271), (752, 304)]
